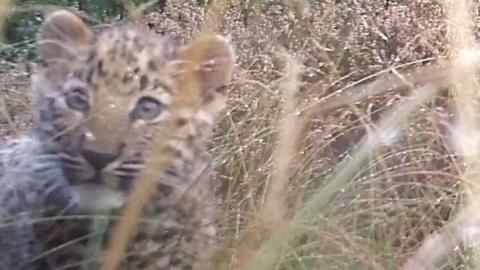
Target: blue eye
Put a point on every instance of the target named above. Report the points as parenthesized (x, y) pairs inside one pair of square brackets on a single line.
[(147, 108), (77, 99)]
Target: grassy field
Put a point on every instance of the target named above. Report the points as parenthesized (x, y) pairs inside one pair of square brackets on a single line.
[(351, 132)]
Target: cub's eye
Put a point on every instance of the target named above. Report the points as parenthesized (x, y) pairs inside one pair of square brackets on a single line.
[(147, 108), (77, 99)]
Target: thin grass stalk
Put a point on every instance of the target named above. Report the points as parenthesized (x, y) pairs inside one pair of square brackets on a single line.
[(129, 6), (147, 182), (270, 253), (215, 14), (465, 87), (5, 8), (388, 80), (98, 228), (135, 13), (464, 83), (274, 209), (297, 9)]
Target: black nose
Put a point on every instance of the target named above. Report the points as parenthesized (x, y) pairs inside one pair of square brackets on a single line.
[(98, 160)]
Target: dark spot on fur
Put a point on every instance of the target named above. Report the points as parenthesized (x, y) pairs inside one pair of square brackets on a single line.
[(171, 173), (164, 190), (43, 63), (136, 70), (62, 139), (100, 70), (208, 98), (58, 197), (188, 238), (127, 78), (113, 54), (138, 45), (77, 74), (141, 236), (143, 82), (181, 122), (143, 264), (10, 195), (59, 124), (123, 50), (49, 112), (190, 138), (175, 261), (125, 183), (90, 75), (177, 154), (152, 66), (131, 58), (167, 234), (91, 56), (21, 195), (222, 89)]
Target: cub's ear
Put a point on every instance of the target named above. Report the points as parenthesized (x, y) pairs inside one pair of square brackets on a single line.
[(61, 35), (213, 58)]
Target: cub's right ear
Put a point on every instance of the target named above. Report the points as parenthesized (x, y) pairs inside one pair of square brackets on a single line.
[(61, 35)]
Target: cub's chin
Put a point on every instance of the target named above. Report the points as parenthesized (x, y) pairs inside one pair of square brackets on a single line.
[(96, 198)]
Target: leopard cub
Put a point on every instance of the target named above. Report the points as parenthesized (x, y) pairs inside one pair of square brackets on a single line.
[(99, 100)]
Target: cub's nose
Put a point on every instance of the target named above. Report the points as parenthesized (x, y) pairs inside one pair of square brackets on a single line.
[(98, 160)]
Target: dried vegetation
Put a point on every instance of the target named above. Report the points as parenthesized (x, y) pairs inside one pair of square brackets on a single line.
[(378, 182)]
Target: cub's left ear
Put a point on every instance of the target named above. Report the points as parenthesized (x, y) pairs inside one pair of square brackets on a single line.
[(213, 58), (62, 35)]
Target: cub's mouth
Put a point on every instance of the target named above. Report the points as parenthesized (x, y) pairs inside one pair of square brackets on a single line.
[(102, 181), (115, 170)]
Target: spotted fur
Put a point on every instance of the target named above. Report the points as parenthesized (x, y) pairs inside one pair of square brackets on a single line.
[(99, 100), (33, 186)]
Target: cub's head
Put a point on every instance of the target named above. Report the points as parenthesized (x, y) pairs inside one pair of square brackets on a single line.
[(100, 98)]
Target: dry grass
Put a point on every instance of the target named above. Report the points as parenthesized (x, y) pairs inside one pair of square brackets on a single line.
[(327, 209), (289, 126), (5, 6), (355, 163), (464, 136)]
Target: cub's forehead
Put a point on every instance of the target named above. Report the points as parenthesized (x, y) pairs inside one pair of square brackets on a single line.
[(129, 59), (132, 47), (123, 42)]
